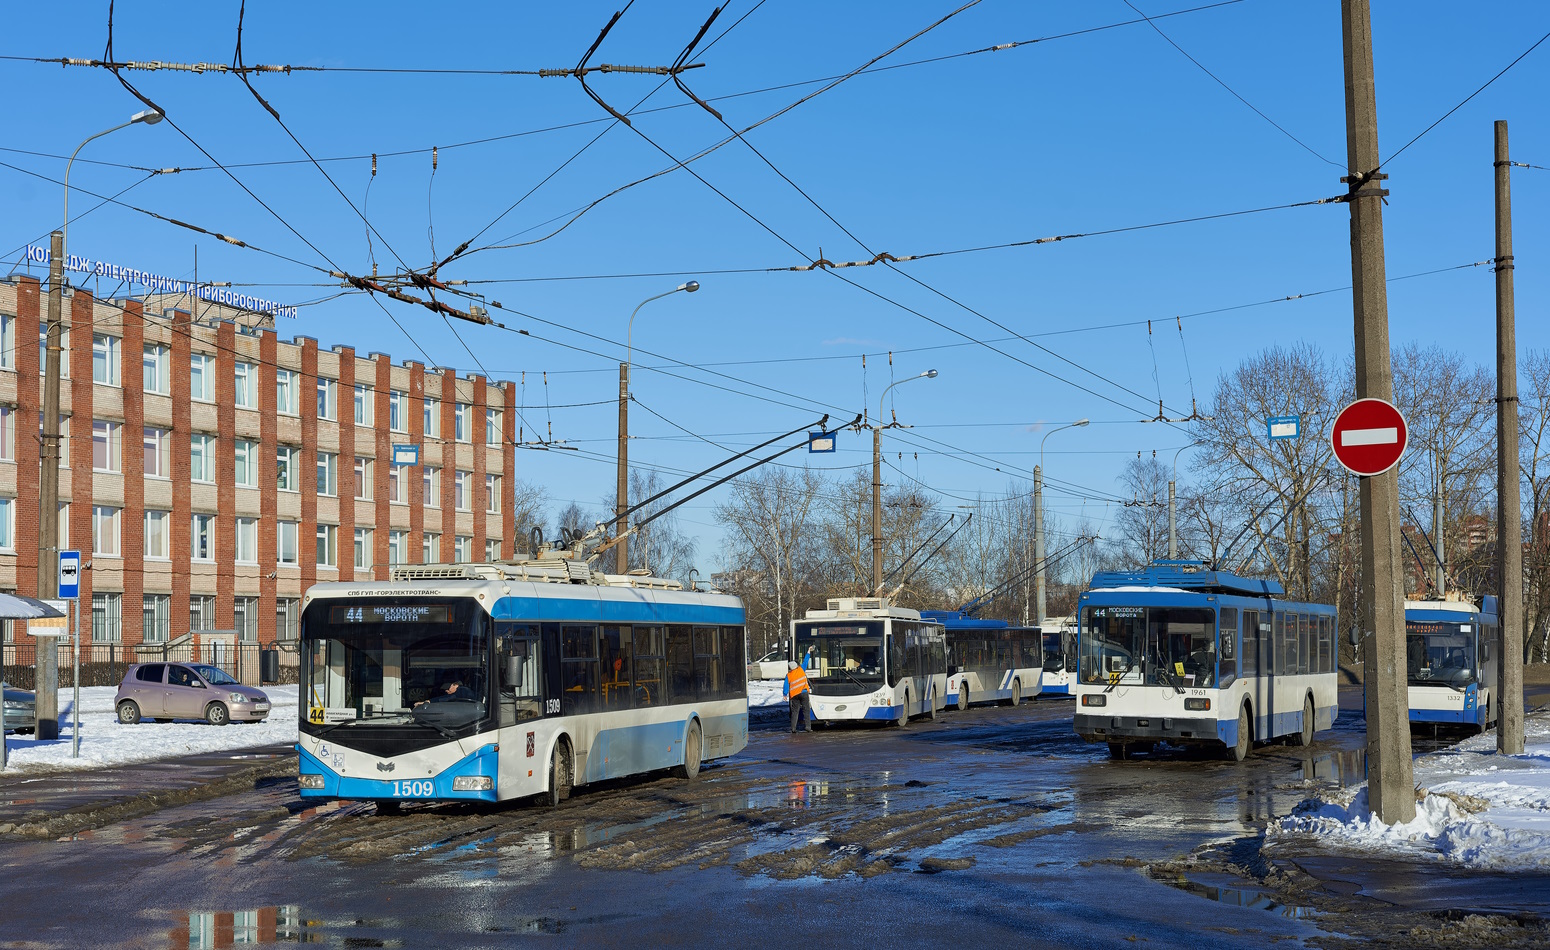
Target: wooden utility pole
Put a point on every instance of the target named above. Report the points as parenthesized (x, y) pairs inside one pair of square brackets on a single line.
[(1509, 524), (46, 675), (1390, 778)]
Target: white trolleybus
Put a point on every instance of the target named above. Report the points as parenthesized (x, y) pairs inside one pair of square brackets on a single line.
[(989, 661), (1059, 657), (496, 681), (1450, 661), (868, 660), (1182, 654)]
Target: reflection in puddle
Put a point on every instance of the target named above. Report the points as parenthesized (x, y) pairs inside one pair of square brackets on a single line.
[(1244, 897), (1345, 767), (288, 924)]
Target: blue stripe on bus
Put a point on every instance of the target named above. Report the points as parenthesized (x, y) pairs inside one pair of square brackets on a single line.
[(482, 762), (598, 610), (1473, 716)]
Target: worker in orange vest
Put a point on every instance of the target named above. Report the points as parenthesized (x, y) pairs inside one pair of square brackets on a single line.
[(800, 694)]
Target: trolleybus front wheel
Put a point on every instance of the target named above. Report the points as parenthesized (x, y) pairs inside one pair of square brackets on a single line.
[(1017, 692), (1239, 750), (559, 775), (692, 745), (963, 697), (931, 704), (904, 712), (1305, 737)]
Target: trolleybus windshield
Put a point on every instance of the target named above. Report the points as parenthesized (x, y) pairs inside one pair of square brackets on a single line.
[(842, 655), (1440, 654), (1152, 646), (394, 664)]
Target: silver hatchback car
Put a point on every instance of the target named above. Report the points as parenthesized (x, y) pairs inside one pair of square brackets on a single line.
[(155, 691), (21, 710)]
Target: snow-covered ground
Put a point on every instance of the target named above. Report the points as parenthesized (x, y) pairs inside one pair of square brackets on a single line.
[(1479, 809), (765, 693), (105, 742)]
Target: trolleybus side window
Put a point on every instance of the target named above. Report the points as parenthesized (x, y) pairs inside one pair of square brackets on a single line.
[(578, 668), (680, 665), (1249, 662), (707, 662), (519, 670), (1227, 646), (613, 644), (648, 666)]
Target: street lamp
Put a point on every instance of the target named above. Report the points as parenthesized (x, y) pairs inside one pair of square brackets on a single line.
[(1038, 522), (48, 480), (877, 481), (621, 497), (1173, 543)]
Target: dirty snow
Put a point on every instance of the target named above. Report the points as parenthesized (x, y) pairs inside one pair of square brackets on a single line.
[(1479, 809), (106, 743)]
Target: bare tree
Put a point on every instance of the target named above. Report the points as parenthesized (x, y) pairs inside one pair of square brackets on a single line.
[(1534, 451), (1143, 521), (769, 537), (527, 500)]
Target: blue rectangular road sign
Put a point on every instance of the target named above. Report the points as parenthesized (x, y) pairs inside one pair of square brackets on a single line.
[(1283, 427), (406, 455), (820, 441), (69, 574)]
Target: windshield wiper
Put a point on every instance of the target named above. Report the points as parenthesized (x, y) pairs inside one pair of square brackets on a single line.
[(853, 678), (345, 722), (1170, 677)]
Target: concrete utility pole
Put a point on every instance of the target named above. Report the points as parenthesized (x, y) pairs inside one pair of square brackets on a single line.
[(622, 490), (1390, 778), (1509, 525), (877, 483)]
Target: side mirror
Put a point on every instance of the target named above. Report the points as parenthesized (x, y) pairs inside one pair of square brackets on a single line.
[(514, 667), (1355, 637)]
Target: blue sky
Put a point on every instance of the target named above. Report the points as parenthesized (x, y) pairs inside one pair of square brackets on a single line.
[(1107, 129)]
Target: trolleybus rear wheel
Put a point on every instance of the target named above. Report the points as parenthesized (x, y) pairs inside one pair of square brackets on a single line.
[(1240, 749), (931, 703), (1017, 692), (1305, 737), (692, 746), (963, 697)]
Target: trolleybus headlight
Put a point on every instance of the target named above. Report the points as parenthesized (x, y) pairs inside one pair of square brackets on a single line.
[(1095, 699), (1200, 703), (309, 781), (473, 783)]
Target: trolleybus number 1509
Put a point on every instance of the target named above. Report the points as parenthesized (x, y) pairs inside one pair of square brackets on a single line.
[(423, 788)]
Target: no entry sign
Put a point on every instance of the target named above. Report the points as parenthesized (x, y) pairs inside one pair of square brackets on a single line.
[(1369, 436)]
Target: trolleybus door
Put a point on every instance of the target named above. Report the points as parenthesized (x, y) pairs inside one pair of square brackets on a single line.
[(1264, 683)]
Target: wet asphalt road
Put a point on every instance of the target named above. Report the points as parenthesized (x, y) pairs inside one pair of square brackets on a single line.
[(995, 825)]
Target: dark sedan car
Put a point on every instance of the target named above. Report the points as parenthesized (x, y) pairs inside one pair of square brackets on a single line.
[(21, 710)]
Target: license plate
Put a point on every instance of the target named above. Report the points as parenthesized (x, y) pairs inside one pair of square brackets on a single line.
[(261, 707)]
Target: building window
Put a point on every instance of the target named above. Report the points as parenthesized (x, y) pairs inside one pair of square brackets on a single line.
[(7, 347), (64, 350), (328, 545), (104, 530), (492, 427), (106, 446), (64, 526), (201, 452), (398, 547), (492, 494), (287, 619), (203, 546), (362, 548), (328, 474), (201, 613), (430, 548), (156, 534), (157, 369), (288, 540), (286, 459), (398, 484), (246, 386), (432, 418), (201, 377), (328, 398), (104, 359), (462, 489), (363, 478), (461, 421), (8, 524), (7, 434), (398, 411), (462, 549), (158, 452), (432, 477), (247, 540), (246, 469), (362, 405), (287, 399), (245, 619), (492, 550), (156, 618), (105, 618)]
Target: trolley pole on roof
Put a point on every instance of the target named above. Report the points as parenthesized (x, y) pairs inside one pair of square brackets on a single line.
[(1390, 778), (1509, 527)]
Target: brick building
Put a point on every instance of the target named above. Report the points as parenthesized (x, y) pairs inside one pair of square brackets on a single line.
[(211, 473)]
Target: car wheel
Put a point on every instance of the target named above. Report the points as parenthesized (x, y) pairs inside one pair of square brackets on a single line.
[(1305, 737), (692, 745), (128, 712), (963, 697), (216, 714)]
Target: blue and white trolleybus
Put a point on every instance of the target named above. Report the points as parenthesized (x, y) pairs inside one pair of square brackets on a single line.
[(989, 660), (1450, 662), (869, 660)]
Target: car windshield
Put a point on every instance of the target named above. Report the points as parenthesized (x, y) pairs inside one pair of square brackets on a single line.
[(841, 655), (215, 676), (366, 664), (1440, 654), (1152, 646)]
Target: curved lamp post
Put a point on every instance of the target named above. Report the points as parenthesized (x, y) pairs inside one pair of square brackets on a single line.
[(1038, 520), (622, 494), (877, 481)]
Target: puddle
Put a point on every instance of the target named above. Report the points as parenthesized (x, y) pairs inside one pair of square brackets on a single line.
[(209, 930), (1346, 767), (1238, 896)]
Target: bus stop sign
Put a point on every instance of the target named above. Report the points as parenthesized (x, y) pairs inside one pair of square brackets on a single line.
[(1369, 436)]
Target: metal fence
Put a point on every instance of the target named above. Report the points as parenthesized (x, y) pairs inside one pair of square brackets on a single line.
[(103, 664)]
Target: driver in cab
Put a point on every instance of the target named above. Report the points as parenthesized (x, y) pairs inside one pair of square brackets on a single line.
[(452, 692)]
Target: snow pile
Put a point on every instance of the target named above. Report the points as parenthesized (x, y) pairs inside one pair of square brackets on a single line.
[(765, 693), (105, 742), (1474, 808)]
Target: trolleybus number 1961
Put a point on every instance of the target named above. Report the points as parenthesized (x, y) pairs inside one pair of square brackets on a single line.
[(417, 789)]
